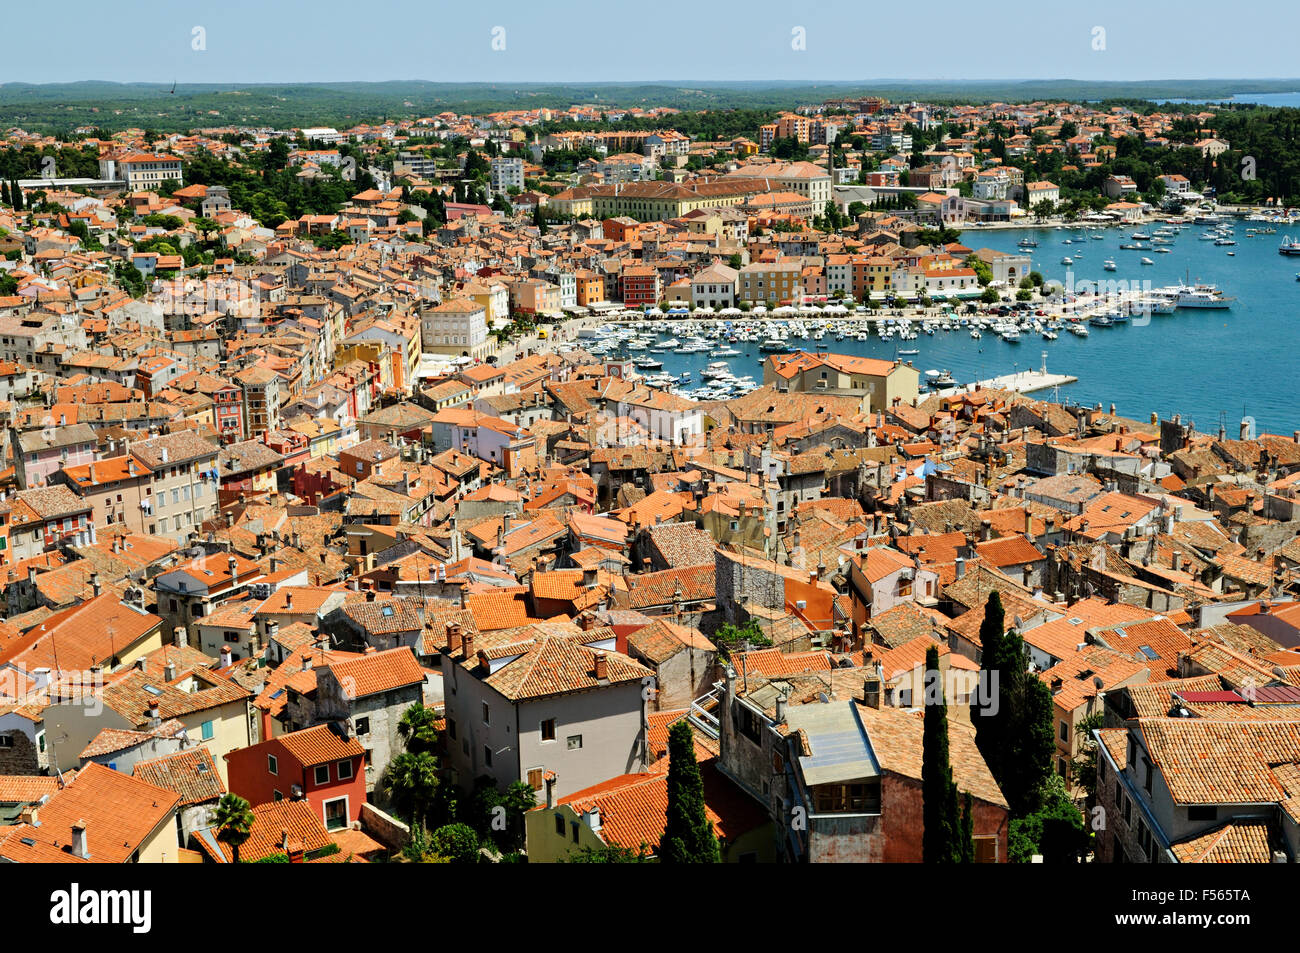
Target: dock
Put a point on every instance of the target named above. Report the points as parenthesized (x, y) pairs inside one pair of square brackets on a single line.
[(1022, 382)]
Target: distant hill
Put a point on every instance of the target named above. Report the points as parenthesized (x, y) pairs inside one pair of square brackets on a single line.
[(63, 106)]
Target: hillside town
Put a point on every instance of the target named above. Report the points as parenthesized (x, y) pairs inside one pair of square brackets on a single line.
[(328, 533)]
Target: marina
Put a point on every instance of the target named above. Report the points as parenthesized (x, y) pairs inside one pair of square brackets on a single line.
[(1193, 297)]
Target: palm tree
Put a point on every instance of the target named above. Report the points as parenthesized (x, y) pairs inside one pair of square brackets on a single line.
[(417, 729), (233, 821), (410, 782)]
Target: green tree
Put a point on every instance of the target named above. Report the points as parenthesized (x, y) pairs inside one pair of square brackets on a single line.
[(539, 220), (939, 839), (457, 842), (966, 836), (1055, 830), (233, 820), (1044, 209), (1084, 767), (4, 192), (417, 729), (1032, 744), (989, 296), (610, 854), (688, 836), (989, 717), (411, 782), (731, 638)]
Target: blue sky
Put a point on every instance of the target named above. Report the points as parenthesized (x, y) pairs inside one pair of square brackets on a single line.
[(249, 41)]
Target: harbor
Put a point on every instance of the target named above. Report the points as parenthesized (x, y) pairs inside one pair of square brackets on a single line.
[(1179, 333)]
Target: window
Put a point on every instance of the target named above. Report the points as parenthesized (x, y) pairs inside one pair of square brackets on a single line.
[(1203, 812), (322, 774), (344, 770), (986, 850), (548, 729), (559, 824), (272, 765), (1065, 731), (207, 730), (451, 728), (363, 726), (6, 741), (487, 755), (1150, 773), (336, 814), (487, 714), (278, 795), (574, 742), (535, 778), (857, 798), (575, 831)]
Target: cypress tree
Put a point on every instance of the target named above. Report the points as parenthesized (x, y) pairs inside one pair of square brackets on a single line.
[(938, 793), (966, 840), (4, 192), (688, 833), (15, 195), (983, 716), (1031, 748)]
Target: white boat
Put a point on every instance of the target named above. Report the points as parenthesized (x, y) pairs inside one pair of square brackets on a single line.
[(1067, 260), (1109, 264), (1079, 330), (1201, 296), (976, 335), (1147, 261)]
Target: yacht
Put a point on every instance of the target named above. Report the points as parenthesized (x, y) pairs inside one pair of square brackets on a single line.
[(1202, 296), (775, 345), (1140, 237), (1225, 241), (1079, 330), (974, 333), (1028, 243), (1289, 246), (941, 379), (1147, 261), (1109, 264), (648, 363), (1067, 260)]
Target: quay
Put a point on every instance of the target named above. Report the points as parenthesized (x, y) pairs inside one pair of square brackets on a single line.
[(1022, 382)]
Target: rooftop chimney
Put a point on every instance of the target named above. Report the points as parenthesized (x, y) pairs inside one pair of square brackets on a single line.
[(79, 847), (602, 667)]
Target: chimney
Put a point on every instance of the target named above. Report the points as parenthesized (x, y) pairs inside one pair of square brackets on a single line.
[(288, 600), (468, 644), (602, 667), (79, 848), (780, 709), (454, 641), (226, 656), (588, 578), (871, 688), (986, 530), (549, 782), (272, 629), (180, 636), (95, 587), (1029, 525), (231, 565), (154, 719), (169, 671), (959, 567), (29, 815)]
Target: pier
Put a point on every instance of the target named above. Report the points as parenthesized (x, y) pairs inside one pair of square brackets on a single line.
[(1022, 382)]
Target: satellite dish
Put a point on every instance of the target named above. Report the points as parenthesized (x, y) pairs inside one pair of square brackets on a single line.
[(821, 697)]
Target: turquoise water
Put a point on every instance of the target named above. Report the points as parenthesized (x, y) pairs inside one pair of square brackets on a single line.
[(1259, 99), (1199, 363)]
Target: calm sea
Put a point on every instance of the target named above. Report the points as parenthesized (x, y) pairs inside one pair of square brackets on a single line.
[(1207, 365)]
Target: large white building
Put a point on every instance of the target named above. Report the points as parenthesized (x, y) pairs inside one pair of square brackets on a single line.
[(809, 180), (507, 173), (142, 171), (458, 327)]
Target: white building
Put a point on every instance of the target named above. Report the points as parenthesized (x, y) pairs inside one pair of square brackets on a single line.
[(507, 173), (458, 326)]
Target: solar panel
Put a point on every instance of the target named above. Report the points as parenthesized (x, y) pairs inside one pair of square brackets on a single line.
[(1148, 652)]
